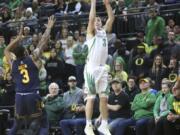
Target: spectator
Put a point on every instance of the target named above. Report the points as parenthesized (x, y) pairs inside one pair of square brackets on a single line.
[(35, 7), (158, 71), (120, 7), (5, 30), (177, 34), (55, 69), (63, 37), (150, 85), (27, 40), (173, 70), (140, 39), (29, 14), (60, 6), (142, 106), (155, 26), (18, 14), (33, 44), (168, 124), (78, 124), (79, 54), (7, 92), (121, 51), (118, 106), (140, 62), (153, 4), (59, 50), (68, 57), (119, 70), (76, 36), (162, 107), (170, 26), (131, 89), (2, 47), (160, 48), (73, 100), (53, 104)]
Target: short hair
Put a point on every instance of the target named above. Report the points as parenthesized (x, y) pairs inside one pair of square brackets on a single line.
[(19, 51), (132, 77), (53, 84)]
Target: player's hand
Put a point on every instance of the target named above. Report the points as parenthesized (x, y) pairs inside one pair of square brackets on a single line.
[(51, 21)]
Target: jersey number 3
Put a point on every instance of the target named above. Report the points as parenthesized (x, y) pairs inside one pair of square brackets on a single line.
[(25, 74)]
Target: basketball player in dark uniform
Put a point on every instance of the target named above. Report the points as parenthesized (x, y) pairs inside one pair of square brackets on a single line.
[(25, 73)]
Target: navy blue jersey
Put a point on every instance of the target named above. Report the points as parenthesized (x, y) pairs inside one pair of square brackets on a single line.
[(25, 75)]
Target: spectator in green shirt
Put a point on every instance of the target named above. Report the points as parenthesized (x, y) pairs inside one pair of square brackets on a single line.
[(14, 4), (162, 107), (53, 104), (80, 52), (155, 26)]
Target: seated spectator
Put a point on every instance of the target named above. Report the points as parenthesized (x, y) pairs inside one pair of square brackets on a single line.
[(140, 62), (59, 50), (27, 40), (2, 47), (53, 104), (173, 70), (158, 71), (73, 100), (29, 14), (170, 26), (121, 51), (170, 124), (55, 69), (118, 105), (119, 70), (142, 106), (162, 108), (131, 89), (78, 124)]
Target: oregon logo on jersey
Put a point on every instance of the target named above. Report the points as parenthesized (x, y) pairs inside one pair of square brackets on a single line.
[(24, 72)]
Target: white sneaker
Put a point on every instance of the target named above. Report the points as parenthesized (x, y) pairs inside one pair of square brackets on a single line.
[(104, 130), (89, 130)]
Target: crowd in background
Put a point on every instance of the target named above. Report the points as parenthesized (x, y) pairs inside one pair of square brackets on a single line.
[(151, 64)]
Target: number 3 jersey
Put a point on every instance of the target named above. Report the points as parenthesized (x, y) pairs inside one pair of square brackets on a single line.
[(25, 75), (97, 49)]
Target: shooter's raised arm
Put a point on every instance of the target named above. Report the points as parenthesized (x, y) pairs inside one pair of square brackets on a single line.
[(110, 20)]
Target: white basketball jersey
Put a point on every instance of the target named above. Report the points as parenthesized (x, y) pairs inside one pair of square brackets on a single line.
[(97, 49)]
